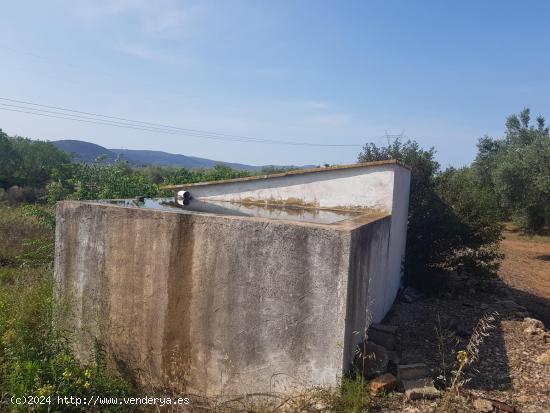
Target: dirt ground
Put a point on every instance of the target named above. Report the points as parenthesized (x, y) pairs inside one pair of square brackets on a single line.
[(526, 269), (527, 263), (432, 330)]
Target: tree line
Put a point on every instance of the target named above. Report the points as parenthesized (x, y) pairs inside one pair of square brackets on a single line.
[(455, 215), (37, 171)]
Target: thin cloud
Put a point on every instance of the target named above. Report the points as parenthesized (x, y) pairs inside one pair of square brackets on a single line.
[(152, 55), (137, 28), (316, 104), (154, 17)]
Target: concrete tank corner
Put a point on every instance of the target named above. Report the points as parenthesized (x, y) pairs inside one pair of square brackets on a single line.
[(258, 285)]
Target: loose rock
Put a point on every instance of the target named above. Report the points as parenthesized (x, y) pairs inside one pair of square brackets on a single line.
[(420, 389), (501, 406), (383, 384), (412, 371), (483, 405), (533, 322), (544, 358)]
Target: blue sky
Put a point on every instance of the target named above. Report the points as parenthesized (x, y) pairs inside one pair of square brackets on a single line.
[(443, 73)]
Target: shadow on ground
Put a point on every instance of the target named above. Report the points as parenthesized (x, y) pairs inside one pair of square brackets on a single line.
[(543, 257), (432, 330)]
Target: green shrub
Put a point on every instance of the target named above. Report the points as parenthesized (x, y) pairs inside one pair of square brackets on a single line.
[(26, 162), (97, 181), (15, 227), (188, 176), (448, 226), (478, 229), (351, 396), (516, 169), (119, 180), (35, 358)]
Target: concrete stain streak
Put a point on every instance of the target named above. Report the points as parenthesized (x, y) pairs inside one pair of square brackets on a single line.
[(221, 304)]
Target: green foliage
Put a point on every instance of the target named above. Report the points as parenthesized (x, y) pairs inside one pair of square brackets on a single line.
[(95, 181), (475, 204), (8, 156), (16, 226), (43, 216), (352, 396), (38, 252), (187, 176), (517, 170), (35, 357), (448, 228), (119, 180), (477, 226), (30, 162), (270, 169), (156, 173), (27, 165)]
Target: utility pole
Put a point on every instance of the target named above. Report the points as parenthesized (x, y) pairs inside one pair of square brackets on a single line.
[(395, 138)]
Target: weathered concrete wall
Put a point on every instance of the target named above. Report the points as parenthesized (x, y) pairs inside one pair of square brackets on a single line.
[(368, 275), (217, 304), (224, 302), (370, 187), (383, 289), (378, 186), (398, 237), (220, 304)]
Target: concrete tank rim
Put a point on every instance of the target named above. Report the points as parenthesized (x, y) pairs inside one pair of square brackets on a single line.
[(345, 225), (290, 173)]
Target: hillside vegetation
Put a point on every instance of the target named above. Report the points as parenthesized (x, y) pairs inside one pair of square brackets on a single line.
[(81, 151), (455, 226)]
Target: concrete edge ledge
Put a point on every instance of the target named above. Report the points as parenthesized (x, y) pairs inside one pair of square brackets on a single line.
[(345, 225), (289, 173)]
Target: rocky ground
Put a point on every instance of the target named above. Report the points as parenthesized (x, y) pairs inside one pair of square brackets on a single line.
[(513, 370)]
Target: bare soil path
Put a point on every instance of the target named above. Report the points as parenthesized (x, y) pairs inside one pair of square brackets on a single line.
[(508, 369), (526, 270)]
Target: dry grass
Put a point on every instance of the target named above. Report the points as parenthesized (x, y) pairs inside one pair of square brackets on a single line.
[(510, 227), (465, 358), (15, 227)]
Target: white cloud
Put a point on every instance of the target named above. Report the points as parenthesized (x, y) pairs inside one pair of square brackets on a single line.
[(316, 104), (153, 55), (154, 17), (139, 28)]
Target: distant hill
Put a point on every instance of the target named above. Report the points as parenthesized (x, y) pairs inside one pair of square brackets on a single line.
[(143, 157), (84, 151), (88, 152)]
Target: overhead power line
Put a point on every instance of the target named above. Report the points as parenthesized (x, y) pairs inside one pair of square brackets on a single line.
[(57, 112), (110, 124), (62, 115), (116, 118)]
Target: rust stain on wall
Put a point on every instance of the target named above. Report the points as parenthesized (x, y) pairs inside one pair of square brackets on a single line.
[(177, 346)]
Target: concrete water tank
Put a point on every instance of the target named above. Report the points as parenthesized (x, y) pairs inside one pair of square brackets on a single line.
[(254, 285)]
